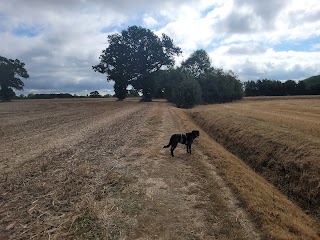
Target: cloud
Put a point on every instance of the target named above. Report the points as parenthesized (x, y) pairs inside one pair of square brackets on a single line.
[(316, 47), (149, 21), (247, 16), (60, 40), (245, 49), (190, 28), (271, 64)]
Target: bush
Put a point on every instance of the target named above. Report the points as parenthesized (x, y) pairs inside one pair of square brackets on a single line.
[(220, 87), (187, 93)]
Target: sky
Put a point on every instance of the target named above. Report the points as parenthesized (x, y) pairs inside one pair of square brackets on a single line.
[(60, 40)]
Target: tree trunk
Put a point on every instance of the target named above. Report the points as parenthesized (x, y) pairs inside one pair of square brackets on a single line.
[(146, 97), (6, 93), (120, 89)]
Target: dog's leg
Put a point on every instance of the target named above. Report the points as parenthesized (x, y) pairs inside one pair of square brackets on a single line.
[(172, 149), (190, 148), (173, 146)]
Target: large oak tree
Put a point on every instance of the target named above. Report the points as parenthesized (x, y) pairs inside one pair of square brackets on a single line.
[(10, 70), (133, 57)]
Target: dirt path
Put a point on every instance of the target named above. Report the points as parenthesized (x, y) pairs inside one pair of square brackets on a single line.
[(109, 178)]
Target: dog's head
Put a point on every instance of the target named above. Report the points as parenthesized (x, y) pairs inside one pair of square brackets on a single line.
[(195, 133)]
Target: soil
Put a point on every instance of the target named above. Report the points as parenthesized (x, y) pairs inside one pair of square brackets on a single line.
[(96, 169)]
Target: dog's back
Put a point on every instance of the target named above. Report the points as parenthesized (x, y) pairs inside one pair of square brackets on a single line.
[(186, 139), (175, 139)]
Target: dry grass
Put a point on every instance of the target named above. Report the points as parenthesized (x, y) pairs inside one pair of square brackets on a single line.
[(280, 140), (56, 162), (95, 169)]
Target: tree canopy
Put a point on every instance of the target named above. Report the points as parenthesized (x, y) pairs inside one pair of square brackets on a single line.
[(133, 56), (197, 64), (313, 85), (267, 87), (95, 94), (187, 93), (197, 82), (217, 85), (10, 70)]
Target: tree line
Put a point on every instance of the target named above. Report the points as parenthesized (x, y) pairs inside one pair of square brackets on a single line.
[(93, 94), (267, 87)]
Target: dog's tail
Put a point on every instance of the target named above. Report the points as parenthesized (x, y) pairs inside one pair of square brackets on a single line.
[(167, 145)]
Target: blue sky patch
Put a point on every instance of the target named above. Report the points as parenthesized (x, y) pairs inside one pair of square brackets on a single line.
[(28, 31), (307, 45), (208, 10)]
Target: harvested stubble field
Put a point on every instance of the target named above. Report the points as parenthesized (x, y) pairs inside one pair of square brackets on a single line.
[(279, 137), (95, 169)]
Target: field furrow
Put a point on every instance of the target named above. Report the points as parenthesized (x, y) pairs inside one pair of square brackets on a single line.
[(96, 169)]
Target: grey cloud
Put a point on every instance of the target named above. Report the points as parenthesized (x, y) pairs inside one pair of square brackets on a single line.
[(248, 69), (266, 10), (303, 16), (53, 73), (280, 71), (250, 16), (66, 84), (238, 23), (35, 53), (85, 6), (248, 49), (62, 82)]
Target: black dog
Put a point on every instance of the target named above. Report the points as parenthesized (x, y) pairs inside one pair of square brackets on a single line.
[(186, 139)]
